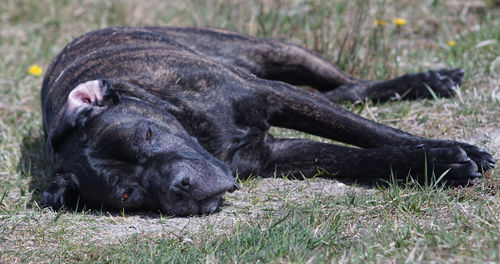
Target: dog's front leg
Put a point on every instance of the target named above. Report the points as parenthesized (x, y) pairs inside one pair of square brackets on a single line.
[(308, 112), (304, 158)]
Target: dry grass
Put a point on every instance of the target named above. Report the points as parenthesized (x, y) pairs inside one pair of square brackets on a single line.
[(388, 225)]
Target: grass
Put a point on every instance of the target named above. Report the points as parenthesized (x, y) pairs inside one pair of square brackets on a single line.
[(270, 220)]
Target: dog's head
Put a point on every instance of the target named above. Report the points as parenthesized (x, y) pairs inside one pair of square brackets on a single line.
[(113, 151)]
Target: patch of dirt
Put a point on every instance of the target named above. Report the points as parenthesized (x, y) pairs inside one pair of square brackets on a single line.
[(490, 138), (258, 198), (45, 233)]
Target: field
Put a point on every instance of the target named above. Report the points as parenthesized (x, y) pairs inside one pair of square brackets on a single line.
[(278, 219)]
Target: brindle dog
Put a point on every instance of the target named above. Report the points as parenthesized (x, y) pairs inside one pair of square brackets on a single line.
[(164, 118)]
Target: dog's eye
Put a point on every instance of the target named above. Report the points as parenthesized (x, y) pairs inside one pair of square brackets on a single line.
[(148, 135), (126, 194)]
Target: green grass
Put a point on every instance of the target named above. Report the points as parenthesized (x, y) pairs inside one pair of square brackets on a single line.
[(270, 220)]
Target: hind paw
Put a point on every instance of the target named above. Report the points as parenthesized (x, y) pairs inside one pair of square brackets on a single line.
[(444, 82)]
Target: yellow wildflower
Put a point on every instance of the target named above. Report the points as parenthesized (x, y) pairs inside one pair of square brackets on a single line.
[(380, 22), (399, 22), (35, 70), (451, 43)]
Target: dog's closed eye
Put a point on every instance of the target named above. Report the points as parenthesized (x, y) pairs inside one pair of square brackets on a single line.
[(126, 194), (148, 135)]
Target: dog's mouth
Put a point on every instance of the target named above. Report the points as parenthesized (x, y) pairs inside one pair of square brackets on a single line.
[(192, 207), (211, 204)]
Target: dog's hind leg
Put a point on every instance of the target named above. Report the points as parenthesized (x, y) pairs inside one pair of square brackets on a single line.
[(443, 83), (266, 58), (276, 60)]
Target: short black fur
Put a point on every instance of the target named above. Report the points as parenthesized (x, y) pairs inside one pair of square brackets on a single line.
[(165, 118)]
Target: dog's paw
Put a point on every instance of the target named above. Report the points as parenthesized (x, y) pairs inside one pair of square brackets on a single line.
[(444, 82), (456, 75), (458, 168), (481, 157), (483, 160)]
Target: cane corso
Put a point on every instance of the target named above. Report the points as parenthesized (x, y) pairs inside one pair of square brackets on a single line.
[(163, 119)]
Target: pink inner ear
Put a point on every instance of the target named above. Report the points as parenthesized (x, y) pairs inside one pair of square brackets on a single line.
[(84, 94)]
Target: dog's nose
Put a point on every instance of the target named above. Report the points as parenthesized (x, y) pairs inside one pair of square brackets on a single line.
[(198, 179), (182, 183)]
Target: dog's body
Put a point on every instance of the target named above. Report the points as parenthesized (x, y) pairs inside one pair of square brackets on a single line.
[(163, 118)]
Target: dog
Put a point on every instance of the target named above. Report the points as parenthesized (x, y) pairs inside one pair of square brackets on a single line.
[(164, 118)]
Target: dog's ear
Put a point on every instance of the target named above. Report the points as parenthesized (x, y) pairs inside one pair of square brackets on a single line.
[(84, 102), (62, 192)]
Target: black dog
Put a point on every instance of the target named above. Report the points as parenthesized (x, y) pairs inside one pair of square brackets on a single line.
[(163, 118)]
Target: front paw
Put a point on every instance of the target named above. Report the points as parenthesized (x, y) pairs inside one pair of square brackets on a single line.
[(483, 160), (458, 168), (481, 157)]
